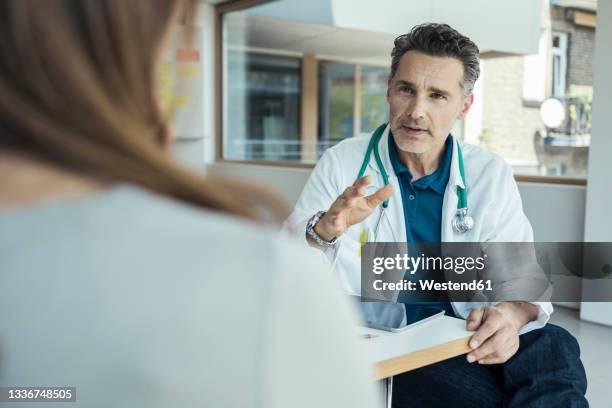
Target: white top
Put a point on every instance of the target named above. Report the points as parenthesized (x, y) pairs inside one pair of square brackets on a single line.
[(140, 301)]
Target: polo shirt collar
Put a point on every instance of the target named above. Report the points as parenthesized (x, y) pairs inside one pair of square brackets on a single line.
[(455, 175), (438, 179)]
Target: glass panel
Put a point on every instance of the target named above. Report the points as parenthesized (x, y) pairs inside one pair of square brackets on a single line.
[(336, 103), (556, 41), (556, 75), (263, 102), (374, 107), (289, 58)]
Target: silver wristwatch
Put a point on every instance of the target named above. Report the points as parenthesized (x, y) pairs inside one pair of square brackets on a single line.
[(310, 231)]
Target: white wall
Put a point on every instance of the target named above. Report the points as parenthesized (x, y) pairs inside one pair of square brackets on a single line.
[(190, 152), (598, 223), (197, 152), (287, 182), (599, 192), (556, 211)]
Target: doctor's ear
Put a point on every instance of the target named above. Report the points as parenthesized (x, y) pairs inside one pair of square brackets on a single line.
[(467, 104)]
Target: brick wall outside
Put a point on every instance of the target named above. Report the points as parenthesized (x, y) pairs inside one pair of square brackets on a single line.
[(508, 125), (581, 45)]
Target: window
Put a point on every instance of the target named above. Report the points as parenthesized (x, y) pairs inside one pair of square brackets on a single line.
[(352, 101), (294, 85), (509, 121), (299, 78), (336, 103), (373, 93), (559, 64), (262, 107)]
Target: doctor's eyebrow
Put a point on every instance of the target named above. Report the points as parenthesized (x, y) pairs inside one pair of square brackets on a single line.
[(442, 92), (431, 89)]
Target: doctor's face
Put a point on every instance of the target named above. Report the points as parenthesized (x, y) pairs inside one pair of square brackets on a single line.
[(425, 98)]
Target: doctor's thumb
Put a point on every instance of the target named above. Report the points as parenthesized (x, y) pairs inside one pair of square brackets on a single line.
[(387, 191)]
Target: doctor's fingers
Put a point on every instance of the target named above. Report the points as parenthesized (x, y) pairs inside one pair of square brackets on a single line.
[(343, 205), (502, 350), (362, 182), (344, 200), (351, 193), (350, 197), (500, 358), (382, 194), (487, 329), (495, 346), (358, 188)]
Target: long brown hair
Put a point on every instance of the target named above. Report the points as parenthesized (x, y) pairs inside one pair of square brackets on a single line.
[(77, 89)]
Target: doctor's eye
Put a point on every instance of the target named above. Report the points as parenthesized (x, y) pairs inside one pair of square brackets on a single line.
[(438, 96), (406, 90)]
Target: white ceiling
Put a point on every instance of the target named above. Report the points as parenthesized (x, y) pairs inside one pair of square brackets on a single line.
[(590, 5), (353, 30), (245, 30)]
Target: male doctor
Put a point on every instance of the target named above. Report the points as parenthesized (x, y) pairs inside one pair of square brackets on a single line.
[(517, 358)]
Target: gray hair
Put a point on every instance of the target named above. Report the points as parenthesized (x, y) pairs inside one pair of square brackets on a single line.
[(440, 40)]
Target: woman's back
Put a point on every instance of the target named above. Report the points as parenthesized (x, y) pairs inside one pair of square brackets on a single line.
[(137, 300)]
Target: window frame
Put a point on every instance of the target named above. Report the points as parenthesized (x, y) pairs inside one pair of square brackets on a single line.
[(219, 11)]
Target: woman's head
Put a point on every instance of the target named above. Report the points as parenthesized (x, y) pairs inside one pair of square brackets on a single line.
[(78, 89)]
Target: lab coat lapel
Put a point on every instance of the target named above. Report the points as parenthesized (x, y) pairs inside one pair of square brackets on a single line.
[(449, 206), (395, 211)]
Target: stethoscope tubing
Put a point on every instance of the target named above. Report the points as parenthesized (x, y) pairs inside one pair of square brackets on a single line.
[(463, 222)]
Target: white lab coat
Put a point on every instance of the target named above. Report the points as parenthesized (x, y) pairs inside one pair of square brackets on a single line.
[(493, 200)]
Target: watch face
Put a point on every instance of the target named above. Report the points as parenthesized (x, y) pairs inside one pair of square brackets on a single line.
[(312, 222), (315, 218)]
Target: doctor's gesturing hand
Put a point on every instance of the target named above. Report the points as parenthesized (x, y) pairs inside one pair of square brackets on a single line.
[(350, 208)]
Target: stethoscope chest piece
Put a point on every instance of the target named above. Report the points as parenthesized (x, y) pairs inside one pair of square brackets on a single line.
[(462, 222)]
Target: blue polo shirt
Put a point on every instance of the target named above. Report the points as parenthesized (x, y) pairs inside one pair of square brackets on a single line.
[(422, 201)]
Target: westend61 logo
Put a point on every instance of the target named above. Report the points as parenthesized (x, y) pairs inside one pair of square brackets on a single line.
[(413, 264)]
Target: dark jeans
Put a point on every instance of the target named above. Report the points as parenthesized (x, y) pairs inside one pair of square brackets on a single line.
[(546, 371)]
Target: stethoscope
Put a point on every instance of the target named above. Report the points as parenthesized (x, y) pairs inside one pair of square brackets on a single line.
[(462, 222)]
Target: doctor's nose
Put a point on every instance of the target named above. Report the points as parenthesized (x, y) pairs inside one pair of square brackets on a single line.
[(417, 110)]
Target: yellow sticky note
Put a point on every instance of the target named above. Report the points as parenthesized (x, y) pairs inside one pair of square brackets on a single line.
[(363, 237)]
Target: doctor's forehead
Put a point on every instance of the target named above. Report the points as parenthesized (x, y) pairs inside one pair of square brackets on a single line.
[(426, 72)]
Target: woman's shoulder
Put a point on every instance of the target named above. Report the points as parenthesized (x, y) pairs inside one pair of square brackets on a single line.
[(129, 222), (184, 225)]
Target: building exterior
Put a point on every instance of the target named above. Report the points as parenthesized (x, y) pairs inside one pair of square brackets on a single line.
[(514, 87)]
